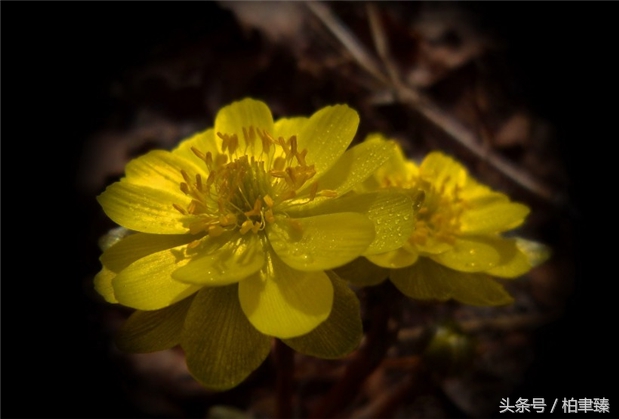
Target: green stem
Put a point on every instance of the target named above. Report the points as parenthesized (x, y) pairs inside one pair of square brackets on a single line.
[(284, 365)]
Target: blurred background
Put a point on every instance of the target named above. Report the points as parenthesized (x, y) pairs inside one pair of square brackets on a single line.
[(514, 91)]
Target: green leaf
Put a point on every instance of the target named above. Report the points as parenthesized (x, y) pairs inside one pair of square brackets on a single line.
[(341, 333), (427, 280), (221, 346), (150, 331)]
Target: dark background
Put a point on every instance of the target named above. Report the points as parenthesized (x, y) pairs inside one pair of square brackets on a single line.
[(59, 59)]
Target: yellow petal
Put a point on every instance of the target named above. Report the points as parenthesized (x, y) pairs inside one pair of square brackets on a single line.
[(492, 215), (472, 254), (151, 331), (245, 113), (361, 272), (222, 348), (398, 258), (283, 302), (240, 257), (144, 209), (286, 128), (103, 284), (391, 212), (327, 134), (147, 283), (340, 334), (443, 170), (356, 165), (519, 257), (136, 246), (427, 280), (536, 253), (397, 167), (204, 141), (320, 242), (159, 169)]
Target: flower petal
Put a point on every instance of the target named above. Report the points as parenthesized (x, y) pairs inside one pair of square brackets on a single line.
[(537, 253), (147, 283), (144, 209), (443, 171), (473, 254), (287, 127), (340, 334), (283, 302), (245, 113), (103, 285), (391, 212), (160, 169), (492, 215), (397, 169), (221, 346), (240, 257), (519, 257), (327, 134), (428, 280), (204, 141), (136, 246), (151, 331), (356, 165), (362, 272), (320, 242), (398, 258)]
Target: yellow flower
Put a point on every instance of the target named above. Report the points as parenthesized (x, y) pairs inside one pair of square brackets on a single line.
[(457, 246), (237, 230)]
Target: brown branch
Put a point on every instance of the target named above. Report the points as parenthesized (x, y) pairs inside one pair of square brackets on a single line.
[(379, 338), (423, 104)]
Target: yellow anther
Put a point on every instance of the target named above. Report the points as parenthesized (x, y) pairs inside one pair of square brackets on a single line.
[(210, 179), (280, 174), (233, 143), (266, 139), (186, 177), (193, 244), (293, 145), (256, 227), (199, 182), (284, 146), (295, 224), (208, 159), (198, 153), (246, 226), (256, 209), (291, 172), (220, 160), (279, 163), (328, 193), (268, 215), (227, 220), (301, 157), (289, 194), (313, 190), (269, 201), (179, 209), (215, 230), (184, 188)]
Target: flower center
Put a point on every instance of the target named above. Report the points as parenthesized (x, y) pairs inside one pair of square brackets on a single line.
[(243, 189), (440, 207), (439, 215)]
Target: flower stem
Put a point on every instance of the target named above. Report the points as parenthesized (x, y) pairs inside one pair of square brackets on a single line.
[(284, 365), (381, 335)]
